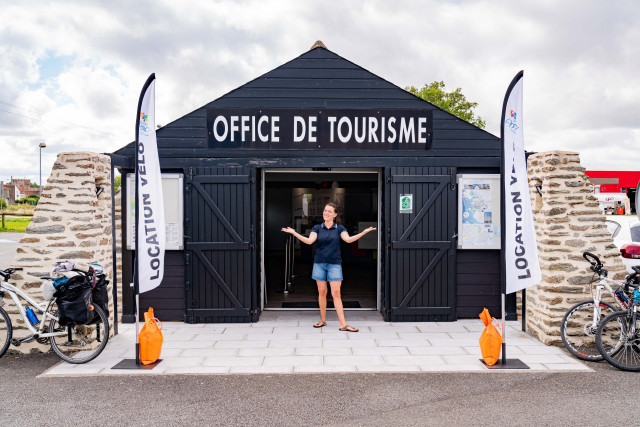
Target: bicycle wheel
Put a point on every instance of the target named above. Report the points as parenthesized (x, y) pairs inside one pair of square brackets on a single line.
[(578, 331), (80, 343), (618, 347), (6, 332)]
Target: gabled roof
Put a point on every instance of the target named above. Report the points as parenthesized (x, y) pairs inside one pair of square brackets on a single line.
[(319, 79)]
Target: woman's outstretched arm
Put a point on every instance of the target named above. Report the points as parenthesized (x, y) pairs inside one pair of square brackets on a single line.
[(350, 239), (308, 240)]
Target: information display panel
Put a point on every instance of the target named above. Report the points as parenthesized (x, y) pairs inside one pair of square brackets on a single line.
[(172, 192), (479, 211)]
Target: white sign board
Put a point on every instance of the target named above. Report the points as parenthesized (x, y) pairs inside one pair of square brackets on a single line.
[(479, 211), (172, 191)]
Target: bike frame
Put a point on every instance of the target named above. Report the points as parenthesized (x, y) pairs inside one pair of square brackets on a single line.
[(43, 308), (604, 284), (633, 314)]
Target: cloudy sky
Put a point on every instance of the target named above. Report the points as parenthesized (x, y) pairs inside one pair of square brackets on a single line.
[(72, 71)]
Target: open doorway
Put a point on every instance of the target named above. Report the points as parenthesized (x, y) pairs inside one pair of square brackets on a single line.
[(296, 198)]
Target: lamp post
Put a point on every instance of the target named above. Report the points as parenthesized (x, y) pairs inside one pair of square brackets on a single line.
[(42, 145)]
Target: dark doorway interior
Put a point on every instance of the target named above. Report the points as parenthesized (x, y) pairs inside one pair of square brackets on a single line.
[(296, 200)]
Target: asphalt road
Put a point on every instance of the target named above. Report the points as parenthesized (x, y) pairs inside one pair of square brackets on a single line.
[(507, 398)]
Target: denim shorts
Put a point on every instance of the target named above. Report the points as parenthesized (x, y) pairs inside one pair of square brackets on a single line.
[(326, 272)]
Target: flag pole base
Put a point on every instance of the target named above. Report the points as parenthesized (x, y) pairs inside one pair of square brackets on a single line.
[(507, 364), (131, 364)]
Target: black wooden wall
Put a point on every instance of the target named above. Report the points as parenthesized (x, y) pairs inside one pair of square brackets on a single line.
[(478, 283), (321, 79), (167, 299)]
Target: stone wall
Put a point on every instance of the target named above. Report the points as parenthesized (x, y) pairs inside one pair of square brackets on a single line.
[(70, 223), (568, 222)]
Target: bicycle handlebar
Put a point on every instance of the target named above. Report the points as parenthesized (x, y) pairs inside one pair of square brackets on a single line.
[(8, 272), (596, 265)]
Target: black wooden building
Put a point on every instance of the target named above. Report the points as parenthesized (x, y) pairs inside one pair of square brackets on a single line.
[(244, 156)]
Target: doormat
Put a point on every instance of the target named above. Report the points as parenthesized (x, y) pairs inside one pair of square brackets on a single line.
[(314, 304)]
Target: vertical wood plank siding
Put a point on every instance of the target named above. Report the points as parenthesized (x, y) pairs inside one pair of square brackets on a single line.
[(478, 283), (167, 299), (220, 269), (421, 256)]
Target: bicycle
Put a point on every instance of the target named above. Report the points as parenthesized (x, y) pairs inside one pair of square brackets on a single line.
[(580, 324), (72, 343), (618, 335)]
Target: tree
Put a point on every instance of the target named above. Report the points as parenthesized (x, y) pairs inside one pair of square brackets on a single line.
[(453, 102), (116, 183)]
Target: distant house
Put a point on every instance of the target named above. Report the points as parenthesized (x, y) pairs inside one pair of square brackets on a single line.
[(11, 193), (24, 187)]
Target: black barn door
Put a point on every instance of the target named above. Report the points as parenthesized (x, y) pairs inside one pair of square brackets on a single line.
[(220, 245), (420, 246)]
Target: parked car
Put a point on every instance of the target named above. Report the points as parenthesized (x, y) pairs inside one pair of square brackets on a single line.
[(624, 229)]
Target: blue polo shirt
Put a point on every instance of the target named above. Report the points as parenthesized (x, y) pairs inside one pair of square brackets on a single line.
[(328, 249)]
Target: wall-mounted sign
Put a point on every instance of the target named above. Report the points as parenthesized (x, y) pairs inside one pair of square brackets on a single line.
[(479, 211), (324, 129), (406, 204), (172, 192)]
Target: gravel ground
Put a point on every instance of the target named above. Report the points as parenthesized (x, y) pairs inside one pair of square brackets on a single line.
[(507, 398)]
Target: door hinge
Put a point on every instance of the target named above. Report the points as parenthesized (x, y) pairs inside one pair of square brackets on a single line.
[(452, 178), (187, 259)]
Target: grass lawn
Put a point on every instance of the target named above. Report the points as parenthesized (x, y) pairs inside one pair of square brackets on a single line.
[(15, 224)]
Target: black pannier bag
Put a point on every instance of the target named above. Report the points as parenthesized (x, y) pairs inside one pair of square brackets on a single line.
[(100, 295), (74, 301)]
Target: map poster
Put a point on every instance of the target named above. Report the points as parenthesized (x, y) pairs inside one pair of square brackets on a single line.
[(478, 211)]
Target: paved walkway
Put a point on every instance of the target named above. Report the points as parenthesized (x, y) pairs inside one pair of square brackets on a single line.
[(286, 342)]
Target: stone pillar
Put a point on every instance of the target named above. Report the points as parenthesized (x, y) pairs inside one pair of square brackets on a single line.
[(568, 222), (70, 222)]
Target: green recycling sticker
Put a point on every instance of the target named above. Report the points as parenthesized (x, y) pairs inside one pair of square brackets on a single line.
[(406, 203)]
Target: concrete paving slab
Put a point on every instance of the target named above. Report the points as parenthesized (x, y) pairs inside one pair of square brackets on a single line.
[(182, 361), (397, 369), (297, 343), (400, 342), (211, 352), (261, 370), (380, 351), (241, 344), (353, 360), (324, 351), (349, 343), (269, 351), (437, 350), (323, 369), (294, 360), (286, 343)]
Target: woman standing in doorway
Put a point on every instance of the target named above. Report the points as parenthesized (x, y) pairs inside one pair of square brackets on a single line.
[(327, 264)]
